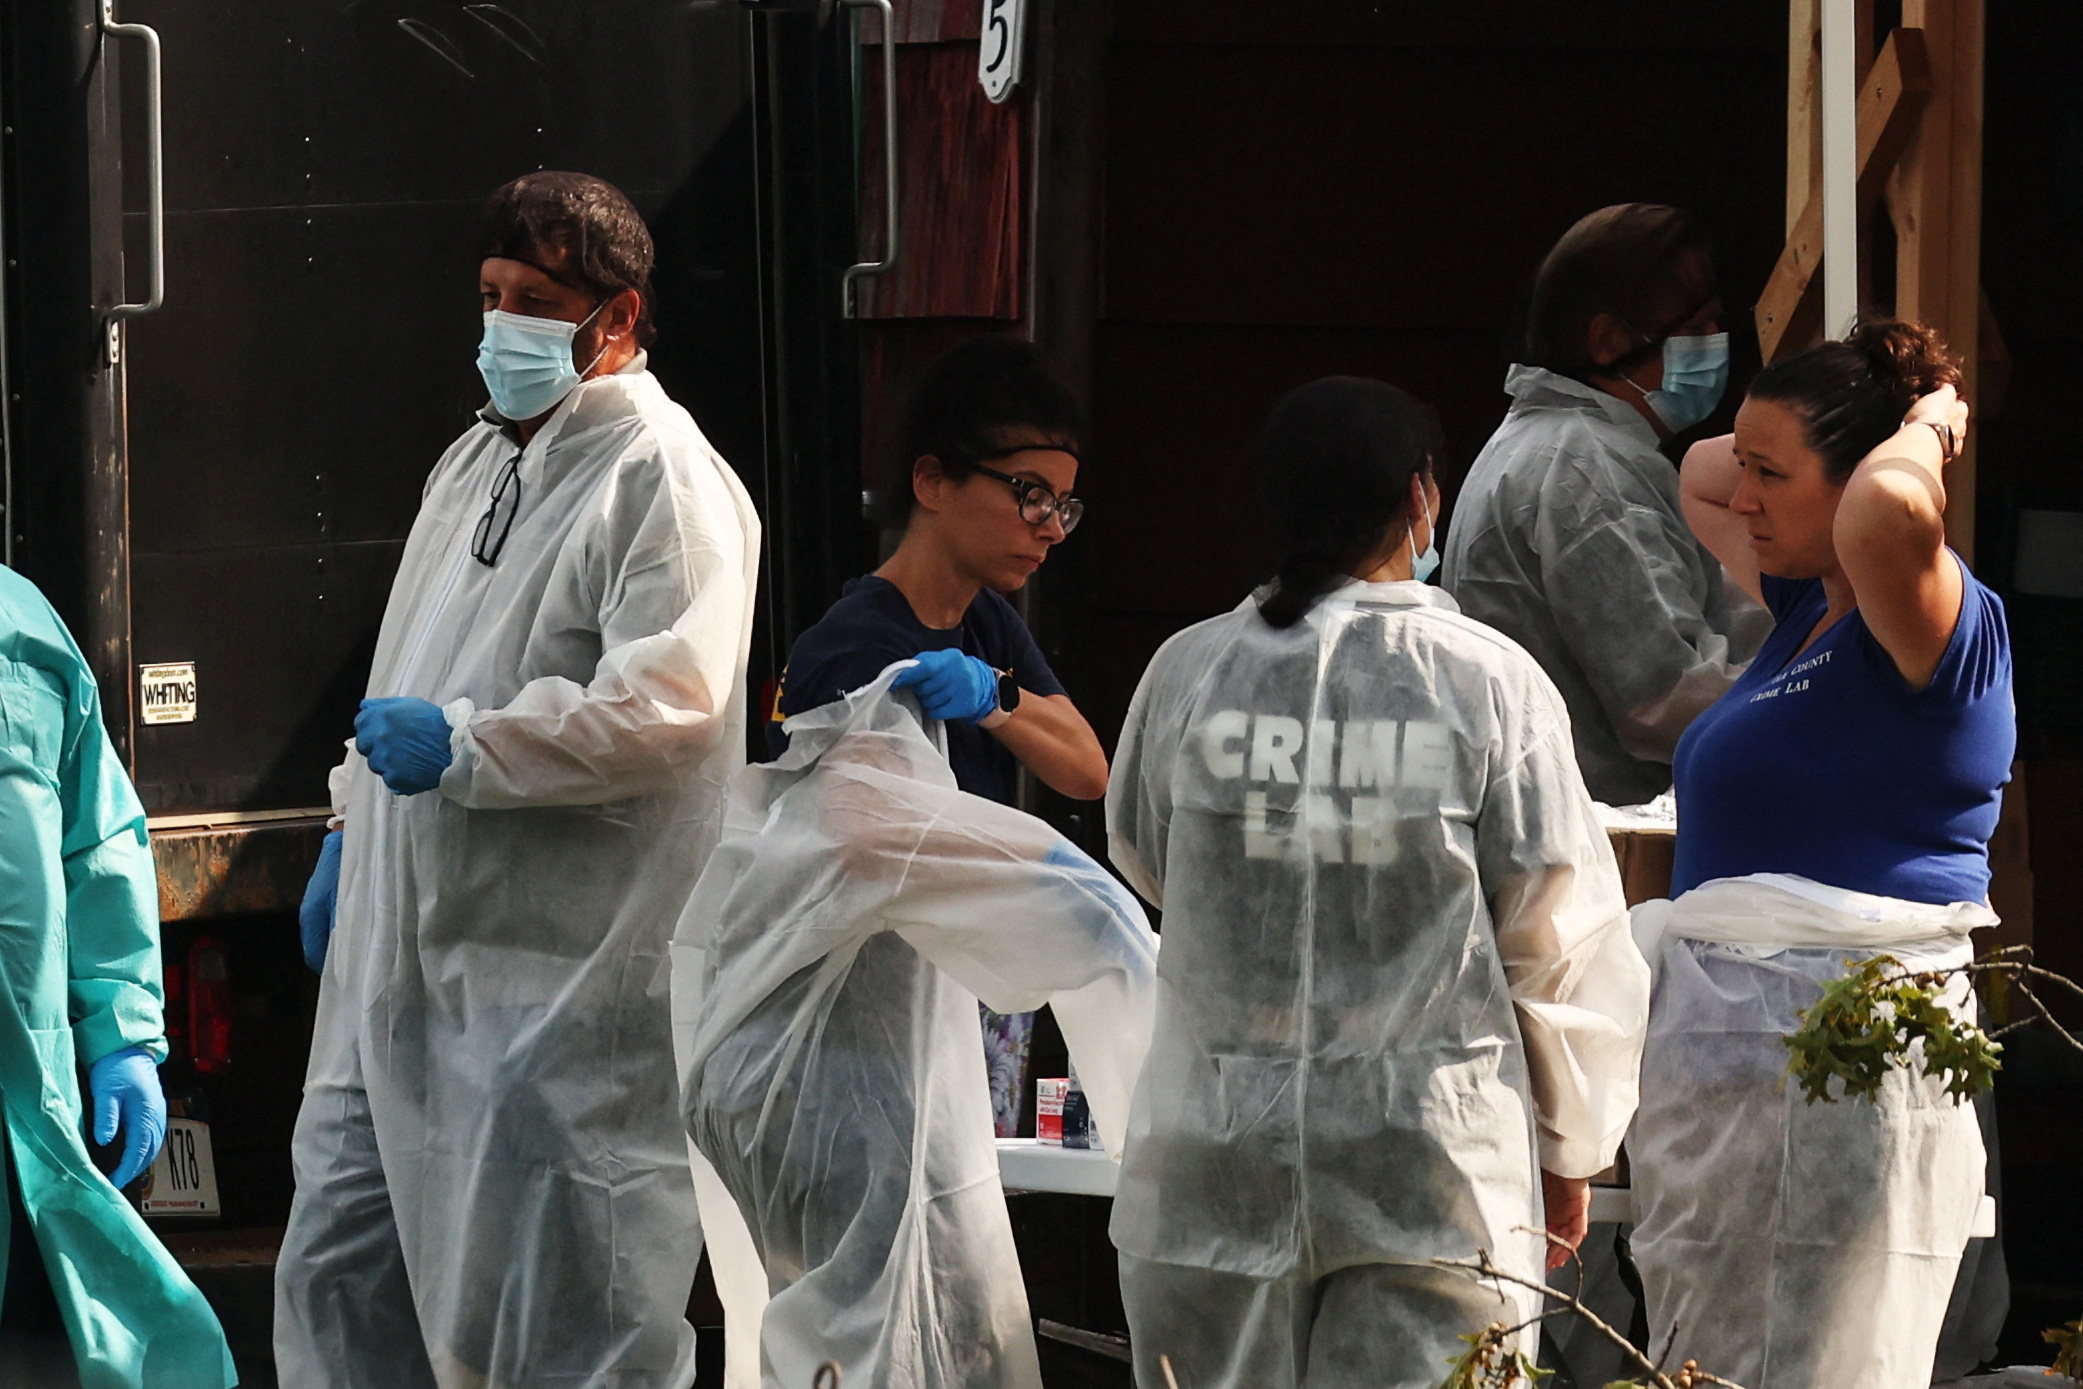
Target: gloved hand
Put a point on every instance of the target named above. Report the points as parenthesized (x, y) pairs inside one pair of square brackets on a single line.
[(951, 684), (406, 742), (1088, 874), (321, 903), (125, 1087)]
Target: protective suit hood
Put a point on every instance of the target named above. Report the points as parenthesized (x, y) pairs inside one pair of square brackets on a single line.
[(1393, 593), (1537, 388)]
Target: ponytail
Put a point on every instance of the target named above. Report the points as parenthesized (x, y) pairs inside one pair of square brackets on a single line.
[(1853, 394), (1303, 579), (1334, 466)]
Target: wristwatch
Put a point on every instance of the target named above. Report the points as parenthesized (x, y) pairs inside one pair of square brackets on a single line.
[(1008, 700), (1948, 441)]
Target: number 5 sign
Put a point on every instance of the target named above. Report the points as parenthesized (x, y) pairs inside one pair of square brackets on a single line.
[(1005, 32)]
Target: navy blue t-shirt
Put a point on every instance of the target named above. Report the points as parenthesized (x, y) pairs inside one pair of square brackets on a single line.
[(1832, 768), (872, 625)]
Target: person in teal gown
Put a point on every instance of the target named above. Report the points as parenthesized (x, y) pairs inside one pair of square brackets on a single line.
[(80, 988)]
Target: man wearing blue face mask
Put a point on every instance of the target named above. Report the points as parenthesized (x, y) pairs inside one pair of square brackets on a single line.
[(492, 1180), (1568, 536)]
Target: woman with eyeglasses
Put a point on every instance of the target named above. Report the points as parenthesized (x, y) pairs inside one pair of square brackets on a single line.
[(982, 495)]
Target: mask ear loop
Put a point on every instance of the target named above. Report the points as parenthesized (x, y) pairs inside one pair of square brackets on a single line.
[(1650, 347), (604, 342)]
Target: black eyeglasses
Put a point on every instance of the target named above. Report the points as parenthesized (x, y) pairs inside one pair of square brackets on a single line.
[(1037, 503), (484, 547)]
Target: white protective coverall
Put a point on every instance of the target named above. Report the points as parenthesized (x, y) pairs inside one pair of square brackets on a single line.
[(1795, 1246), (1567, 537), (1397, 980), (857, 908), (490, 1114)]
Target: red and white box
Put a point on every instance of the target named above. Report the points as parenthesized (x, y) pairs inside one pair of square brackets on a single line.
[(1049, 1096)]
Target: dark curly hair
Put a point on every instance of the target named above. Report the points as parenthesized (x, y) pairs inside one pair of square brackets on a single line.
[(1852, 395), (971, 398), (1334, 467), (577, 229)]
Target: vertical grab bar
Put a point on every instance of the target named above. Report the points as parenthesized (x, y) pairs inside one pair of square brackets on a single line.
[(155, 171), (854, 273)]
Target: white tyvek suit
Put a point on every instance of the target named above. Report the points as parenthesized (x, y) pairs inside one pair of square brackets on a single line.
[(1794, 1246), (1567, 537), (857, 908), (490, 1110), (1397, 980)]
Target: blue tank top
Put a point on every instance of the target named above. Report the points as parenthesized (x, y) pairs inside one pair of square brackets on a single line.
[(1831, 767)]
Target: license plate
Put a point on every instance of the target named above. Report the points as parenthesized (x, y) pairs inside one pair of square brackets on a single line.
[(183, 1179)]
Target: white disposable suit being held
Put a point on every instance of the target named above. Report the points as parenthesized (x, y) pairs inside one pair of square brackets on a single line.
[(856, 910)]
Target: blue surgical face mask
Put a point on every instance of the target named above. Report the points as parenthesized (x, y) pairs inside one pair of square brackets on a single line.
[(526, 362), (1696, 372), (1422, 566)]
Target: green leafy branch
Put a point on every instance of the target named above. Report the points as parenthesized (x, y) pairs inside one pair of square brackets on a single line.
[(1493, 1361), (1881, 1016)]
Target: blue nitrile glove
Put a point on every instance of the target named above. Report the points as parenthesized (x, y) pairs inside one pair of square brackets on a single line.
[(125, 1086), (321, 902), (951, 684), (406, 742)]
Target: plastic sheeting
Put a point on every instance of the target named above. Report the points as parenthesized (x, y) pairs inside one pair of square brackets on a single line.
[(1794, 1245), (1568, 538), (858, 908), (1397, 979), (491, 1102)]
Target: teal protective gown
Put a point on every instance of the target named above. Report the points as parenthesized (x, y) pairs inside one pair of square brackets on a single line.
[(79, 979)]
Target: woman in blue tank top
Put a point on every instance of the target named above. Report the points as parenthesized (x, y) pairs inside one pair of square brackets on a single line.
[(1835, 804)]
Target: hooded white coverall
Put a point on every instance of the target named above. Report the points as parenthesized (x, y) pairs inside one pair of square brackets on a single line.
[(492, 1182), (1567, 538), (1397, 981), (857, 908)]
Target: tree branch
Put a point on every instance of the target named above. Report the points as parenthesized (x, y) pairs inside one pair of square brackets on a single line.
[(1482, 1268)]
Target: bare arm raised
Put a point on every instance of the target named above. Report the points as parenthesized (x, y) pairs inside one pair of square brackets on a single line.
[(1890, 535), (1707, 483)]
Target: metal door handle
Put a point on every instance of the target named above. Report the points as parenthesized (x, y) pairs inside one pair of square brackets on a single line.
[(855, 273), (155, 169)]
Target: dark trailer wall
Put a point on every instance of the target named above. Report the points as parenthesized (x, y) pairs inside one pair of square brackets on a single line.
[(235, 489)]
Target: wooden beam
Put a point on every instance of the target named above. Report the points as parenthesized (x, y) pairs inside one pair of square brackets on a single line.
[(1891, 98), (1935, 197), (1804, 90)]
